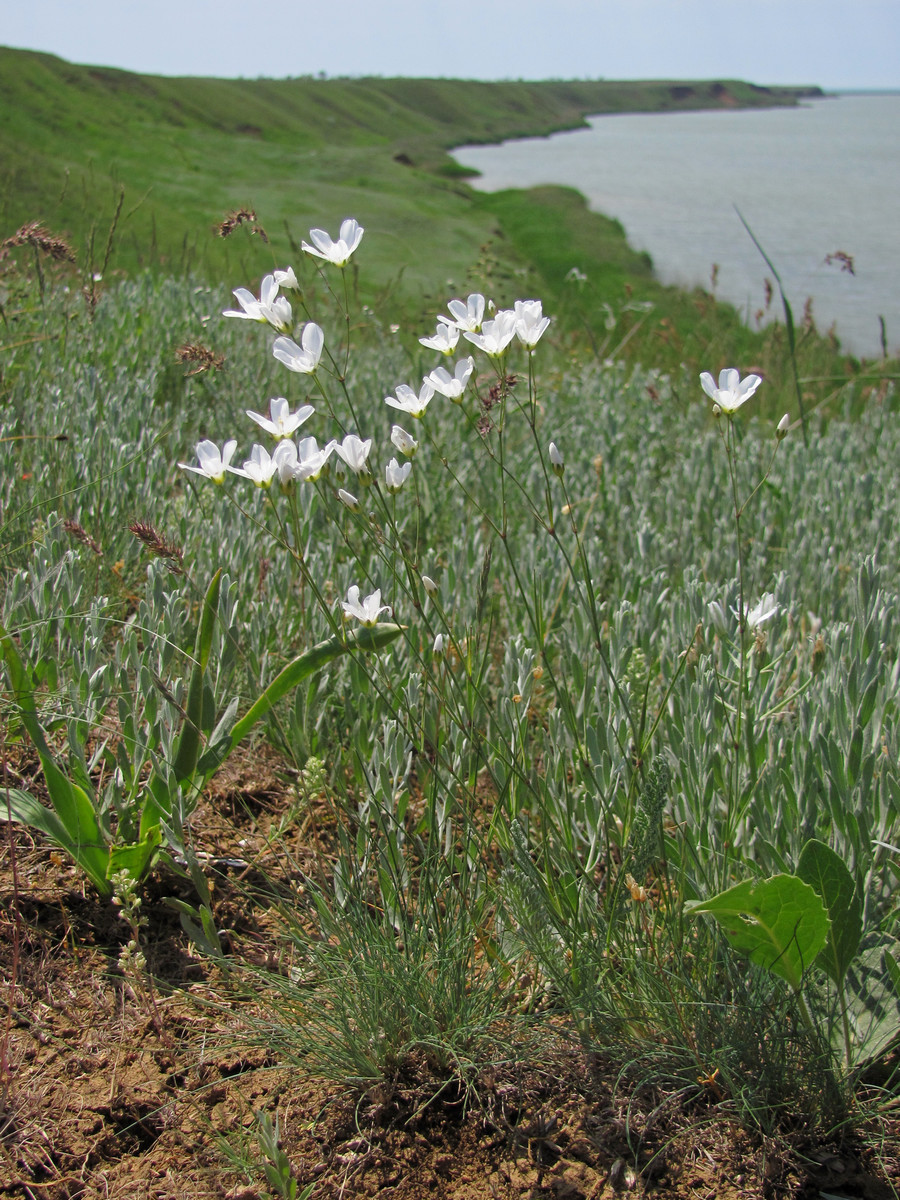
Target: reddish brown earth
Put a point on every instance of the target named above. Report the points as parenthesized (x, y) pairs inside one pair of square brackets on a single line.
[(111, 1091)]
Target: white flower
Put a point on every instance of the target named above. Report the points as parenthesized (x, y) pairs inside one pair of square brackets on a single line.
[(439, 644), (403, 442), (260, 467), (270, 307), (355, 453), (303, 359), (495, 335), (287, 279), (395, 476), (407, 400), (466, 316), (337, 252), (348, 499), (311, 461), (732, 390), (557, 462), (530, 322), (285, 459), (213, 464), (764, 611), (368, 610), (283, 422), (782, 428), (444, 340), (452, 386)]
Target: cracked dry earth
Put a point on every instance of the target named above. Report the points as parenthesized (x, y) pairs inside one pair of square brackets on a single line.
[(111, 1092)]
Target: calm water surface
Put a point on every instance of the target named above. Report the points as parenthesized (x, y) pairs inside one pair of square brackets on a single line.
[(809, 180)]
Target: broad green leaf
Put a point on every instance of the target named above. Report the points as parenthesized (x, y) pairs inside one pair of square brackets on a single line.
[(137, 858), (873, 998), (779, 923), (893, 970), (26, 810), (827, 873)]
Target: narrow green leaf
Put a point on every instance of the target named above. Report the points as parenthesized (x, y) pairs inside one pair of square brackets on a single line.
[(854, 758), (208, 618), (368, 638), (788, 322), (24, 692), (828, 875), (779, 923), (185, 761), (24, 809), (867, 704), (83, 838), (204, 936)]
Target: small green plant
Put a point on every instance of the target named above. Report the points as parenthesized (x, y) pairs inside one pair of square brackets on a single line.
[(257, 1151), (76, 820), (797, 925), (277, 1165)]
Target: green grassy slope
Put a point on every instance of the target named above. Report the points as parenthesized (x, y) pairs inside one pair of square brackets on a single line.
[(301, 151)]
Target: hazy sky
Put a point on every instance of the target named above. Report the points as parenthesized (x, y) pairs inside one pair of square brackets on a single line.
[(836, 43)]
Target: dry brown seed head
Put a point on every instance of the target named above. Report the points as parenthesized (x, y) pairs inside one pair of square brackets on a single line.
[(80, 534), (34, 234), (204, 358), (157, 544), (241, 216)]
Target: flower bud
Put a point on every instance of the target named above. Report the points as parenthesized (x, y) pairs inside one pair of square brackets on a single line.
[(783, 426), (350, 501), (717, 616), (716, 410), (395, 476), (403, 441), (818, 654), (431, 588), (439, 644), (557, 462)]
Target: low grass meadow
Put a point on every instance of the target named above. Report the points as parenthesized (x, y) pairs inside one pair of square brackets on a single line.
[(571, 677)]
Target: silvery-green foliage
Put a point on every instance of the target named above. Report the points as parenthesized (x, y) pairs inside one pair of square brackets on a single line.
[(53, 607), (585, 631)]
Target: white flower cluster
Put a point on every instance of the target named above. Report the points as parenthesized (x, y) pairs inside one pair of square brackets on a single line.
[(305, 461), (525, 321)]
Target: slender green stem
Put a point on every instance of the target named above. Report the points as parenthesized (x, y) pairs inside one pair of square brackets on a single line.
[(731, 454)]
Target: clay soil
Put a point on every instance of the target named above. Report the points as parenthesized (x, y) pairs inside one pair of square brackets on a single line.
[(111, 1090)]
